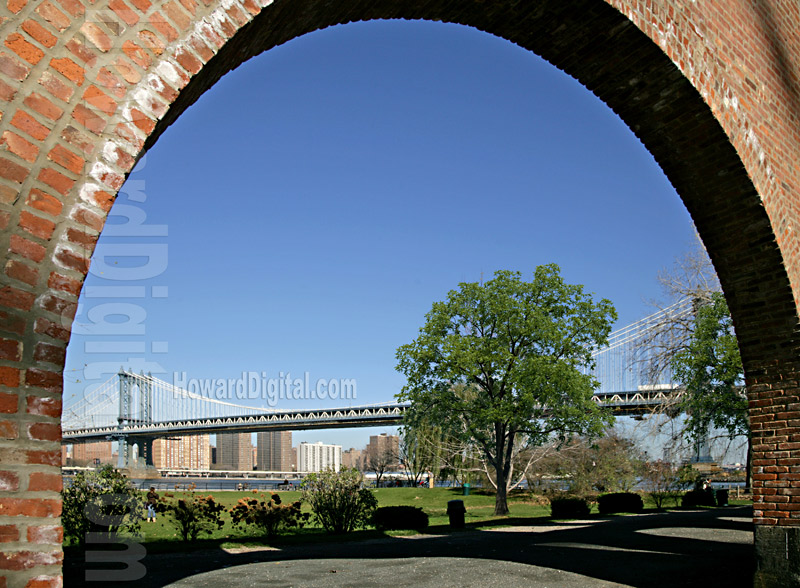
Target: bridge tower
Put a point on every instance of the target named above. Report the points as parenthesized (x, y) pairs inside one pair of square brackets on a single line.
[(128, 384)]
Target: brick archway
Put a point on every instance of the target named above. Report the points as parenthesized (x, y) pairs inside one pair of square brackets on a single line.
[(87, 87)]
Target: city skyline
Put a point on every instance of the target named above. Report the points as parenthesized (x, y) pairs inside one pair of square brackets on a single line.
[(358, 174)]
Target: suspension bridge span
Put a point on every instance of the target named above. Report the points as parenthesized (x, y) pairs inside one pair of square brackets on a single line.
[(136, 408)]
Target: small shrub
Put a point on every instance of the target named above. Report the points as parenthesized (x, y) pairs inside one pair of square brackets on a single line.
[(193, 515), (662, 482), (569, 507), (102, 501), (268, 516), (339, 502), (698, 497), (400, 517), (620, 502)]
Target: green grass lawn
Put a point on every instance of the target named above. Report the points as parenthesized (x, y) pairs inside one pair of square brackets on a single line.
[(163, 535), (479, 505)]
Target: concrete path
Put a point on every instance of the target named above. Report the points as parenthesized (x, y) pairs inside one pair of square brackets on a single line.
[(694, 548)]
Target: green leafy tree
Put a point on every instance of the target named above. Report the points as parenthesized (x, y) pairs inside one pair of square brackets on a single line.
[(268, 516), (338, 500), (497, 360), (193, 514), (609, 464), (710, 368), (101, 502)]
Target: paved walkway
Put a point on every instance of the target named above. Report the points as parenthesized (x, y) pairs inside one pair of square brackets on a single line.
[(694, 548)]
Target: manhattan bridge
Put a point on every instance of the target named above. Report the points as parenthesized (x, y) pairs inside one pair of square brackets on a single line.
[(134, 409)]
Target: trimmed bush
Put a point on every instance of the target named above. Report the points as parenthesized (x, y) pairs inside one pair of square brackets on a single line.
[(619, 502), (339, 502), (269, 516), (694, 498), (569, 508), (400, 517), (100, 503)]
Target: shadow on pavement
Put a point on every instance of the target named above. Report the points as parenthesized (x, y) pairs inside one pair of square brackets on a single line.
[(690, 548)]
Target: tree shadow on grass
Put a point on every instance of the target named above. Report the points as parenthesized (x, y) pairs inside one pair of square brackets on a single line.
[(689, 548)]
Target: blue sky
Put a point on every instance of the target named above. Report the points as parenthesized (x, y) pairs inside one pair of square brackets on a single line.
[(321, 197)]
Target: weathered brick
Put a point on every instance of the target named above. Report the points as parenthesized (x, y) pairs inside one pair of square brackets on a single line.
[(27, 124), (47, 352), (26, 248), (9, 481), (30, 507), (58, 282), (12, 171), (49, 534), (10, 378), (56, 180), (71, 260), (13, 67), (36, 226), (43, 482), (8, 533), (43, 405), (19, 146), (97, 36), (66, 159), (44, 202), (69, 69), (56, 304), (41, 34), (45, 326), (44, 581), (8, 430), (55, 87), (25, 49), (22, 272), (43, 106), (97, 98), (45, 432), (16, 298), (73, 7), (89, 118), (53, 15), (7, 92), (25, 560)]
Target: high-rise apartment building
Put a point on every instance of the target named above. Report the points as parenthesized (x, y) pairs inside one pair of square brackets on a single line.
[(191, 452), (234, 452), (316, 457), (353, 458), (274, 451), (382, 449)]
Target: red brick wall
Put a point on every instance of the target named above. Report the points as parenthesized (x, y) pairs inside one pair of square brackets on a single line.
[(711, 89)]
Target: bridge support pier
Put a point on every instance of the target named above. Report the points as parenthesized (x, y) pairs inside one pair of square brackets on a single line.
[(146, 451), (122, 453), (777, 556)]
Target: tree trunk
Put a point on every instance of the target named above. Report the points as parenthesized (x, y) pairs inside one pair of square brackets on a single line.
[(501, 499)]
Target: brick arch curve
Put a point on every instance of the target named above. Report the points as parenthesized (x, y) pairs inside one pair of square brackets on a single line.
[(86, 88)]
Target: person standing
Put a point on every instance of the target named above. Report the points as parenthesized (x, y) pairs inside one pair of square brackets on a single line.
[(152, 499)]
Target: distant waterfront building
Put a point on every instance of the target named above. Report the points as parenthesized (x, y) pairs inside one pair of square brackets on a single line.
[(234, 452), (316, 457), (187, 452), (382, 449), (274, 451), (353, 458), (97, 452)]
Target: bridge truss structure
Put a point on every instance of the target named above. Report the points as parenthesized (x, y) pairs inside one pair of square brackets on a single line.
[(137, 408)]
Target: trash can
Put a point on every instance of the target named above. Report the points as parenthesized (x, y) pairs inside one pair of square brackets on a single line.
[(466, 489), (722, 498), (456, 512)]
